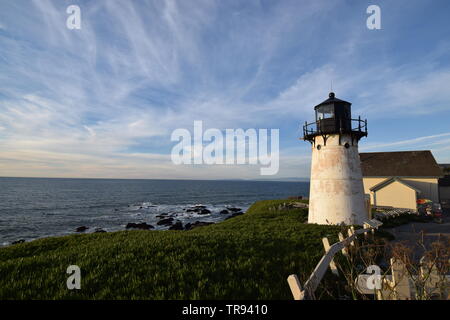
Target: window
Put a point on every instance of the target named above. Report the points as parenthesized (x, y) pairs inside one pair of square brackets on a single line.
[(325, 112)]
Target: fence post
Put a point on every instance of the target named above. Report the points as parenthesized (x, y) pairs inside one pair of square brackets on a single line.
[(366, 226), (344, 249), (353, 232), (400, 280), (350, 233), (296, 287), (326, 245)]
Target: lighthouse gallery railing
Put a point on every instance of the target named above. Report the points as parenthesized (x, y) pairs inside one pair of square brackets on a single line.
[(357, 126)]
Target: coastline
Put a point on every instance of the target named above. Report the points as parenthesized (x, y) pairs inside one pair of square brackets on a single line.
[(37, 208)]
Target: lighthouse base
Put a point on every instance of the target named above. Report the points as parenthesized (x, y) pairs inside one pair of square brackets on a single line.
[(343, 206)]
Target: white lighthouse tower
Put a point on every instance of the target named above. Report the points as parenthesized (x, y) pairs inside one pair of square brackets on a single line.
[(336, 192)]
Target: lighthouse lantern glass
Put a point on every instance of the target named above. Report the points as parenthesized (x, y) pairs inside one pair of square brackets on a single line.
[(325, 112)]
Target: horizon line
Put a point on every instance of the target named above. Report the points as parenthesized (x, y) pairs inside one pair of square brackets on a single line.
[(288, 179)]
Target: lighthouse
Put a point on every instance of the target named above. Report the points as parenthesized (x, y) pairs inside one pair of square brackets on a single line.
[(336, 189)]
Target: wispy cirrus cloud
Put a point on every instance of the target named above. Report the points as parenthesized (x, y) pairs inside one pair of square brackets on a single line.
[(102, 101), (426, 140)]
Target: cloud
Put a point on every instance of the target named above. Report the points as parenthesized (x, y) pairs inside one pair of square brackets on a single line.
[(422, 141), (438, 144), (102, 101)]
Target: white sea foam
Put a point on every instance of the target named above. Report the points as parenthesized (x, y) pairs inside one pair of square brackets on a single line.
[(152, 213)]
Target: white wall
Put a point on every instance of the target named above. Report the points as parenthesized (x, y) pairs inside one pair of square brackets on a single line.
[(428, 186), (396, 195), (336, 190)]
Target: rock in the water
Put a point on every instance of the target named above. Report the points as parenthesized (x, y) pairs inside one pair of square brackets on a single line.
[(143, 226), (18, 241), (235, 209), (196, 224), (177, 226), (198, 209), (224, 212), (82, 229), (99, 230), (165, 222)]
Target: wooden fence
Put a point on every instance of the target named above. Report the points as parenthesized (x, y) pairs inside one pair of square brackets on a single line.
[(429, 283), (307, 290), (399, 285)]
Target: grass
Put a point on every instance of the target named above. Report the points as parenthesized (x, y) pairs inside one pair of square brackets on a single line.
[(246, 257)]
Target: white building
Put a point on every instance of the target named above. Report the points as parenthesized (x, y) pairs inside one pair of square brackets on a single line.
[(398, 179)]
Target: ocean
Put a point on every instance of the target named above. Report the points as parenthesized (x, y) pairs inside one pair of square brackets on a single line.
[(32, 208)]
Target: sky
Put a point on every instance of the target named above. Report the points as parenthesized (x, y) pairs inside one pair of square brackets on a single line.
[(102, 101)]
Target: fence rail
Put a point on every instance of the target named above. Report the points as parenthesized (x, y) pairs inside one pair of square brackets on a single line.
[(307, 291)]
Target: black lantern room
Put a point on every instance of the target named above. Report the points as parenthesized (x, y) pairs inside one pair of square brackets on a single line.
[(333, 116)]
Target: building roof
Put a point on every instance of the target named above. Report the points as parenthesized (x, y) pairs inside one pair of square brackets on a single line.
[(399, 164), (388, 181)]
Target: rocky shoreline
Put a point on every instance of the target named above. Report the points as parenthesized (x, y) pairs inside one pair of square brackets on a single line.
[(166, 221), (169, 221)]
